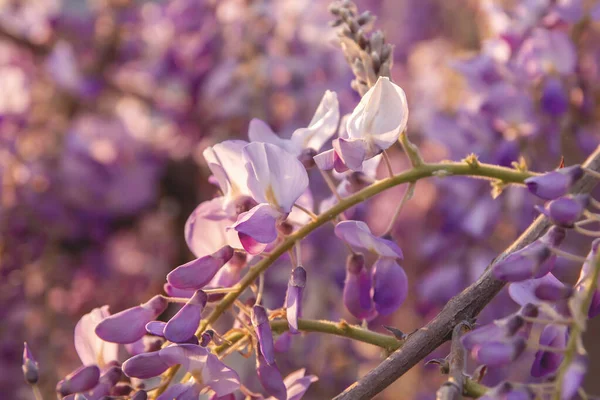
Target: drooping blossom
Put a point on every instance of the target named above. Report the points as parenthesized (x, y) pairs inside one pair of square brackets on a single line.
[(270, 378), (358, 235), (199, 272), (390, 285), (357, 288), (183, 325), (81, 380), (552, 185), (547, 362)]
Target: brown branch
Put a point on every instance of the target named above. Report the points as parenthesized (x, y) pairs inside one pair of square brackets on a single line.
[(464, 306), (452, 389)]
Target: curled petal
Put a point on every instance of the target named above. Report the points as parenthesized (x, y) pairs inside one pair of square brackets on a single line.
[(129, 325), (270, 378), (293, 299), (260, 131), (351, 152), (322, 126), (225, 162), (257, 228), (156, 328)]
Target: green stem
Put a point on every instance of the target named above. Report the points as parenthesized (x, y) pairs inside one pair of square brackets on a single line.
[(577, 328), (480, 170), (341, 328)]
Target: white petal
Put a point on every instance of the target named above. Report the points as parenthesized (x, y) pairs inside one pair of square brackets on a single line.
[(226, 163), (381, 115), (274, 175), (322, 126)]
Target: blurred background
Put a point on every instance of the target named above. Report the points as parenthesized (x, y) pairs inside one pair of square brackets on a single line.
[(107, 105)]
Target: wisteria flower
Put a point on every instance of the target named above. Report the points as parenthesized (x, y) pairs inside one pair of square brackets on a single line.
[(91, 349), (375, 124), (358, 235)]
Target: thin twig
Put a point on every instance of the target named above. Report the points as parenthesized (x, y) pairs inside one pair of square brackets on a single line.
[(452, 389), (311, 214), (407, 196), (464, 306), (388, 163)]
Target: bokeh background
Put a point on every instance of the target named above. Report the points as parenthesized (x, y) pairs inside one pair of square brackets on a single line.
[(106, 106)]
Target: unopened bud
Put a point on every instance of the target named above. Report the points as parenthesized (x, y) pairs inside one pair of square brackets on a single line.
[(30, 366)]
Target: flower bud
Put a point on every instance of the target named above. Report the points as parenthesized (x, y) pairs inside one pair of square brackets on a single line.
[(547, 362), (81, 380), (565, 211), (390, 285), (129, 325), (198, 273), (495, 354), (293, 298), (532, 261), (552, 185), (260, 321), (549, 292), (30, 366), (183, 325), (156, 328), (206, 338), (145, 366)]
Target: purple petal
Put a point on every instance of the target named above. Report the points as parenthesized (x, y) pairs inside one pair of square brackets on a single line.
[(547, 362), (525, 292), (270, 378), (352, 152), (293, 300), (145, 365), (183, 325), (260, 321), (81, 380), (554, 184), (325, 161), (573, 378), (390, 285), (358, 235), (219, 377), (495, 354), (258, 224), (198, 273), (129, 325), (172, 291), (357, 289), (156, 328), (181, 391), (283, 342)]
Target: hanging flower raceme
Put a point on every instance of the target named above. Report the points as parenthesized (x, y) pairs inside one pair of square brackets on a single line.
[(276, 180), (304, 141), (388, 279), (532, 261), (555, 184), (293, 298), (375, 124), (129, 325), (208, 370)]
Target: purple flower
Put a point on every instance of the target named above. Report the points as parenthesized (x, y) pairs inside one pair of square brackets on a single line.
[(390, 285), (357, 288), (91, 349), (555, 100), (497, 331), (358, 235), (293, 298), (270, 378), (547, 51), (183, 325), (260, 321), (129, 325), (495, 354), (532, 261), (565, 211), (573, 378), (106, 383), (156, 328), (196, 360), (552, 185), (82, 379), (181, 391), (257, 228), (297, 384), (30, 366), (546, 362), (536, 290), (198, 273)]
